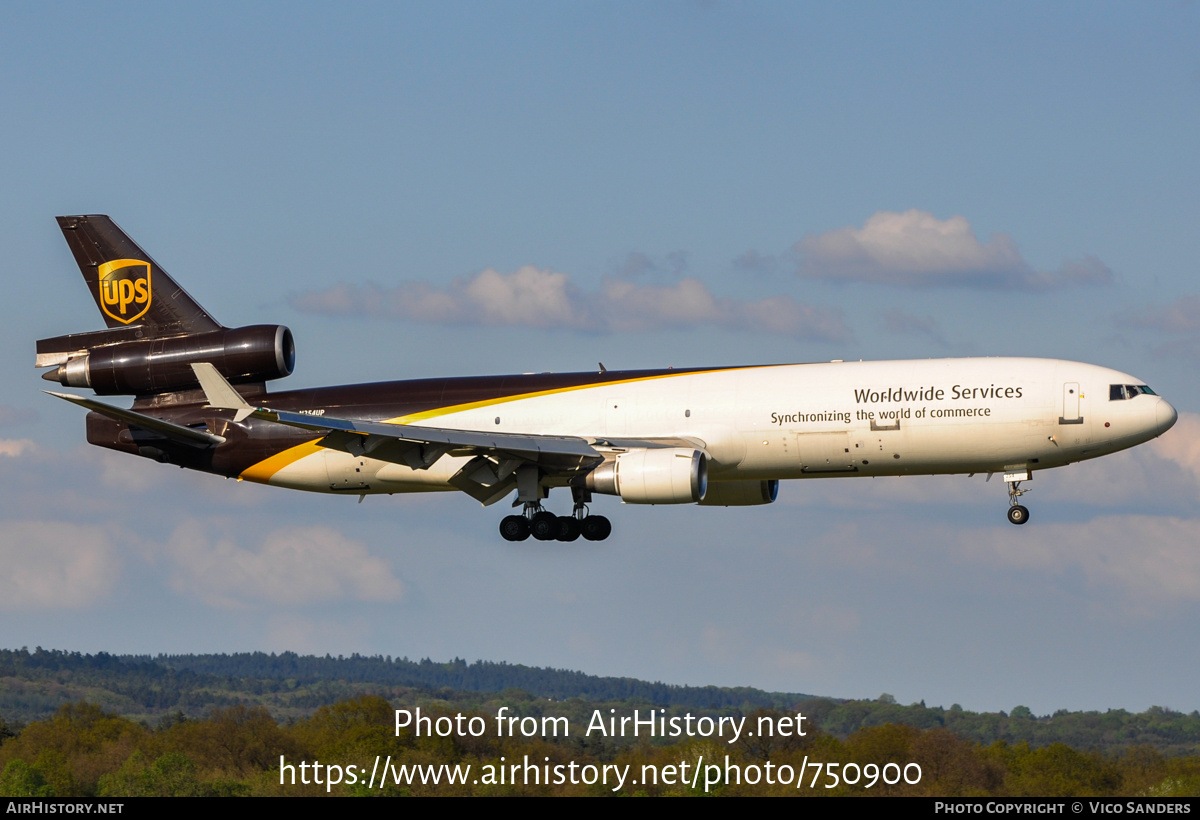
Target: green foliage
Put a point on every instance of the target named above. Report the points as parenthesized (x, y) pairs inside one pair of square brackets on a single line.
[(296, 685), (19, 779), (342, 700), (84, 751), (172, 775)]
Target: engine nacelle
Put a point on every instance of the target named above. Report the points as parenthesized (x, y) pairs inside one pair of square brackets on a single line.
[(256, 353), (740, 493), (676, 475)]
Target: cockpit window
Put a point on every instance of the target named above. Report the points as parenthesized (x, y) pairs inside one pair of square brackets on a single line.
[(1120, 392)]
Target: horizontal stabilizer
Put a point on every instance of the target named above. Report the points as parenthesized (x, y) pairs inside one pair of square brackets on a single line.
[(176, 432)]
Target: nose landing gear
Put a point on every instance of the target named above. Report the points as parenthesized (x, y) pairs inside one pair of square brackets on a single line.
[(1017, 514)]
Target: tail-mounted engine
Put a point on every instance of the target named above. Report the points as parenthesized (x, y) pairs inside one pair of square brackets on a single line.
[(115, 362), (156, 331)]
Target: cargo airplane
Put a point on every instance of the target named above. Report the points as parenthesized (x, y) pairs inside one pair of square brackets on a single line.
[(713, 436)]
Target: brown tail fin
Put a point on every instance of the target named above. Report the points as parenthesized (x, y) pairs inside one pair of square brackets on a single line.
[(129, 287)]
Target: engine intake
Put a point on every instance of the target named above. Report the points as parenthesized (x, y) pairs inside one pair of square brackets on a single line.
[(256, 353), (676, 475)]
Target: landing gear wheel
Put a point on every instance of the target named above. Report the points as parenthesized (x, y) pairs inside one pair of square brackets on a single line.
[(1016, 513), (514, 528), (544, 526), (568, 528), (596, 528)]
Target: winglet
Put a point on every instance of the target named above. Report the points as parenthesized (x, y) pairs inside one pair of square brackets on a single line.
[(220, 393)]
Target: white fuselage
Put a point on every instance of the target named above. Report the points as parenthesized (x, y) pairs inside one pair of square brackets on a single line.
[(805, 421)]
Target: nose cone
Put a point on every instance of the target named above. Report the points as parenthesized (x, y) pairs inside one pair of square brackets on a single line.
[(1165, 416)]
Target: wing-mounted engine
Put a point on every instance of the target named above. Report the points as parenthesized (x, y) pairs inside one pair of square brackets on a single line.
[(740, 493), (668, 475), (111, 363)]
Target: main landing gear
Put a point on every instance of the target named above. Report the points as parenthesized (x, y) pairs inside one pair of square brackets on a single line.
[(1017, 514), (546, 526)]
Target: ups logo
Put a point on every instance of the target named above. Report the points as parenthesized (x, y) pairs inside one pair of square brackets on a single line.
[(125, 289)]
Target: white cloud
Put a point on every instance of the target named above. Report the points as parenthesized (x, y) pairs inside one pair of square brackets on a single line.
[(16, 447), (291, 632), (528, 296), (52, 565), (531, 297), (1180, 316), (1142, 564), (122, 473), (292, 566), (1151, 561), (1181, 444), (626, 306), (915, 248)]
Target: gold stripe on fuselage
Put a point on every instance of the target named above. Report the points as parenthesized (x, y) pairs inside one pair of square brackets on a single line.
[(268, 467)]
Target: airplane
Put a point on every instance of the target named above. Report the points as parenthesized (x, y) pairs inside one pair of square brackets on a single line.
[(711, 436)]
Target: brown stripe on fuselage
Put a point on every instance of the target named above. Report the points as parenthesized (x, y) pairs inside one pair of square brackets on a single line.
[(411, 418), (407, 401)]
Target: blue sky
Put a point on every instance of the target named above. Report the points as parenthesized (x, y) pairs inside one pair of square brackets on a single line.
[(645, 185)]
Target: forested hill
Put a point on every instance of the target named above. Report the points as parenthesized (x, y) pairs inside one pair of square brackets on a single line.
[(34, 684), (480, 676), (153, 689)]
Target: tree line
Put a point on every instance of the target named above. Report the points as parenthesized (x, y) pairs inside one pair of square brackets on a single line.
[(290, 687), (82, 750)]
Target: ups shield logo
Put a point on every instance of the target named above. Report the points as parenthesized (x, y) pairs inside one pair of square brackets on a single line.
[(125, 289)]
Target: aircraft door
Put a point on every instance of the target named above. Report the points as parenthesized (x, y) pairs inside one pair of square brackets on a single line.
[(1070, 411)]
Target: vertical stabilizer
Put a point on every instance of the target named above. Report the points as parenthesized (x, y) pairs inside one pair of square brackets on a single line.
[(129, 287)]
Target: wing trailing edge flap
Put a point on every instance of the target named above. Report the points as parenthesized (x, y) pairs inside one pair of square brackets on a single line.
[(485, 480), (176, 432)]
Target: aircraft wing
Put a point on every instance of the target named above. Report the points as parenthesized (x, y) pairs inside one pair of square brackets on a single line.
[(488, 477), (529, 446)]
